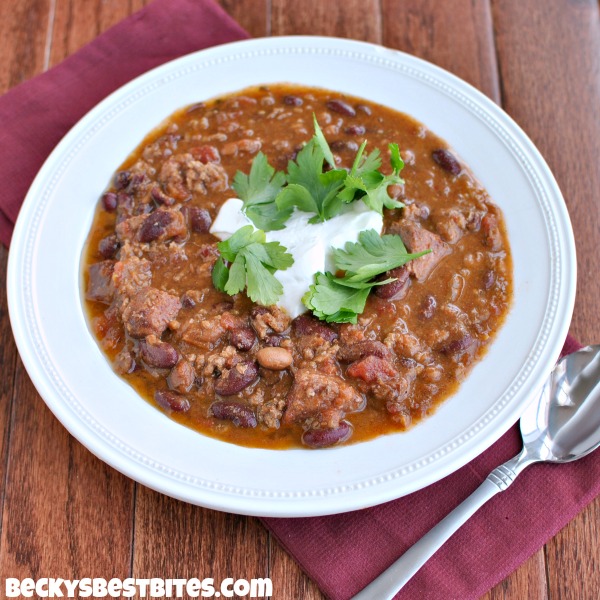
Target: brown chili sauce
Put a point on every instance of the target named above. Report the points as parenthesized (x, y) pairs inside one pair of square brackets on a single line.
[(194, 351)]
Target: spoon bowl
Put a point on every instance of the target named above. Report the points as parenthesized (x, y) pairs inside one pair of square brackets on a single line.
[(561, 426)]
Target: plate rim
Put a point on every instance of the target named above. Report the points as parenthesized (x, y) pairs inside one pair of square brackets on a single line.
[(264, 506)]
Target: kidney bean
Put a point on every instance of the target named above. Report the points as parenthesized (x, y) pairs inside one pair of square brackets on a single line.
[(154, 226), (359, 350), (108, 246), (323, 438), (122, 179), (364, 108), (276, 359), (206, 154), (187, 301), (194, 107), (457, 346), (428, 307), (239, 377), (489, 278), (446, 160), (338, 145), (158, 354), (200, 219), (160, 197), (341, 106), (109, 201), (239, 414), (242, 338), (171, 401), (135, 183), (293, 100), (274, 340), (355, 130), (307, 325), (395, 289)]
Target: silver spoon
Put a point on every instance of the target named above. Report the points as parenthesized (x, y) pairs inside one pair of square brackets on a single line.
[(562, 426)]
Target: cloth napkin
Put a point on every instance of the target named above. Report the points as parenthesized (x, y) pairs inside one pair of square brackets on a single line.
[(342, 553)]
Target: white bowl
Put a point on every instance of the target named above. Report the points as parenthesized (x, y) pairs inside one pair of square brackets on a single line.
[(106, 415)]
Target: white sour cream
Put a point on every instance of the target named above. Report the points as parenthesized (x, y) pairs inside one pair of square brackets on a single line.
[(310, 244)]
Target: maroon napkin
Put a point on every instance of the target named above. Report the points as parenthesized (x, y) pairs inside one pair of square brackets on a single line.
[(342, 553)]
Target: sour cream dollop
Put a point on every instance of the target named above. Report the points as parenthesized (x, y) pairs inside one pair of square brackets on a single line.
[(310, 244)]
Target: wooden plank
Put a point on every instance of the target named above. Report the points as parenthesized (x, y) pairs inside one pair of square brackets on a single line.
[(76, 23), (23, 38), (549, 57), (549, 60), (174, 539), (60, 502), (529, 581), (253, 15), (456, 36), (358, 19)]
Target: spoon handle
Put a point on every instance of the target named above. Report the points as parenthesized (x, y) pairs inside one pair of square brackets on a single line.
[(393, 579)]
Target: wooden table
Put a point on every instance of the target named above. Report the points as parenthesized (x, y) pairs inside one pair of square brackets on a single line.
[(66, 514)]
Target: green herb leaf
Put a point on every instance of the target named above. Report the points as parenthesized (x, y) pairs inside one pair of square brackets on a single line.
[(253, 262), (322, 142), (258, 191), (220, 274), (372, 255)]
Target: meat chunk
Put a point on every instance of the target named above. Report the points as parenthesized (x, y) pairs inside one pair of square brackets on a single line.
[(319, 400), (131, 275), (100, 284), (183, 175), (204, 332), (491, 232), (149, 312), (267, 319), (418, 239), (372, 369)]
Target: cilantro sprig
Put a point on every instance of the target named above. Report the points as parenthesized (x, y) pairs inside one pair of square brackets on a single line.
[(342, 299), (314, 184), (252, 262)]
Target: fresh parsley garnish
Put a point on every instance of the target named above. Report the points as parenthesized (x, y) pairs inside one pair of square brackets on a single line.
[(258, 191), (270, 196), (252, 262), (342, 299)]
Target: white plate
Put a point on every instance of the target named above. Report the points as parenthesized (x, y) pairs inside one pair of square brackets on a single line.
[(108, 417)]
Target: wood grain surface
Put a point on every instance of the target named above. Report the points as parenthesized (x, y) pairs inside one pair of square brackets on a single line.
[(64, 513)]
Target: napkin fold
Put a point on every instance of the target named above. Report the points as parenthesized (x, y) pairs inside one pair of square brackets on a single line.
[(342, 553)]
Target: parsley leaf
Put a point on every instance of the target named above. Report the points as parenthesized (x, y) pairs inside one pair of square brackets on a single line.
[(372, 255), (342, 299), (258, 190), (253, 261)]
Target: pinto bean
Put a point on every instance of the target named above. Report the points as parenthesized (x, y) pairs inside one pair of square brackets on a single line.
[(108, 246), (307, 325), (323, 438), (446, 160), (158, 354), (239, 414), (109, 201), (275, 359), (341, 106), (395, 290), (171, 401), (200, 220), (239, 377), (154, 226)]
